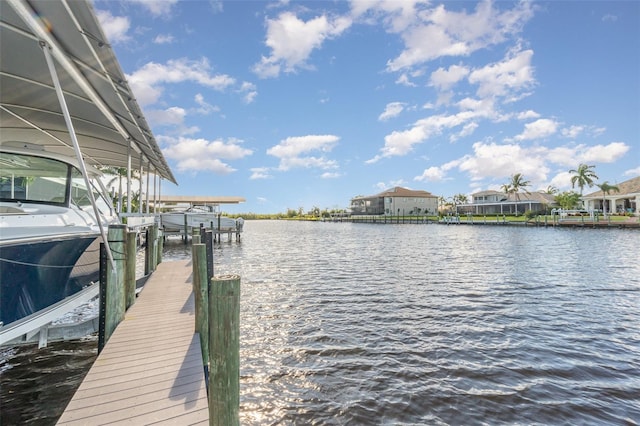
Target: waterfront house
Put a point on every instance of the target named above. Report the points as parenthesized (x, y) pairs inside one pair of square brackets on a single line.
[(496, 202), (395, 201), (625, 200)]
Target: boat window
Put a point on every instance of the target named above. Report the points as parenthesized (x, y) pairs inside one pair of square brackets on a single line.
[(29, 178), (80, 195)]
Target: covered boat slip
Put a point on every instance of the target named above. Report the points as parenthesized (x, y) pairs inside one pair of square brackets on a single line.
[(109, 125), (62, 94), (182, 213)]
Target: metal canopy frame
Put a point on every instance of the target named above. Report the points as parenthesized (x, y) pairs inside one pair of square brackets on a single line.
[(109, 123)]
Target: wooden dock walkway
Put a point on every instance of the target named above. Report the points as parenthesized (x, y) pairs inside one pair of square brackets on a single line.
[(151, 370)]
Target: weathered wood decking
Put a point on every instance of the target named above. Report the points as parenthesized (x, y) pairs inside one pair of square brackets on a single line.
[(150, 371)]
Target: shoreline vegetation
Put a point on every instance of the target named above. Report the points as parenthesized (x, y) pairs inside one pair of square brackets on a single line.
[(452, 219)]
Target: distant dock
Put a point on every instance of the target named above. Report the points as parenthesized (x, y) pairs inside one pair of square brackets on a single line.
[(495, 220), (151, 369)]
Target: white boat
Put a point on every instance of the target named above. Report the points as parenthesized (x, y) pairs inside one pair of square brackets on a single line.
[(65, 110), (49, 235), (195, 217)]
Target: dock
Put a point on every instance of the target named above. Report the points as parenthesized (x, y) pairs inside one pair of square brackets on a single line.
[(151, 369)]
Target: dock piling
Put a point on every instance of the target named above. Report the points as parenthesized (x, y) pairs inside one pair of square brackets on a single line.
[(112, 283), (130, 276), (201, 297), (224, 351)]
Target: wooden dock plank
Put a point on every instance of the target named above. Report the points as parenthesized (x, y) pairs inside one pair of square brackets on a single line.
[(150, 371)]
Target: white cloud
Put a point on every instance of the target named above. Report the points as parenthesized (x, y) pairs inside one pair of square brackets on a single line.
[(393, 109), (114, 27), (158, 8), (382, 186), (526, 115), (260, 173), (173, 116), (147, 82), (163, 39), (296, 145), (290, 152), (249, 92), (604, 153), (572, 131), (571, 156), (204, 107), (288, 163), (330, 175), (431, 33), (435, 174), (432, 174), (444, 79), (193, 155), (292, 41), (491, 160), (633, 172), (399, 143), (506, 78), (562, 180), (538, 129), (404, 80), (467, 130)]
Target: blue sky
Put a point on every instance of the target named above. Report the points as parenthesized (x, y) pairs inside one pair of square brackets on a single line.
[(307, 104)]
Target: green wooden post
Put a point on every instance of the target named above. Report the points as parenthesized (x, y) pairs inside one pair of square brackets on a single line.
[(115, 297), (186, 228), (130, 277), (154, 248), (201, 296), (160, 244), (224, 351), (147, 252)]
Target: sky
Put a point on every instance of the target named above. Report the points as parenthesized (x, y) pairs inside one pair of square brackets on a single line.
[(300, 104)]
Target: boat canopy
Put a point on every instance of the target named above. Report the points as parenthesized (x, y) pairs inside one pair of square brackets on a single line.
[(109, 124)]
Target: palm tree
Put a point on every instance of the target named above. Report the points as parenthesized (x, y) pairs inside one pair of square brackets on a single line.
[(567, 200), (551, 190), (517, 183), (606, 189), (459, 199), (584, 175), (442, 202), (118, 174)]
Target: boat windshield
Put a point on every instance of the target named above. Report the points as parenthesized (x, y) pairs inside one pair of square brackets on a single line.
[(34, 179), (80, 195)]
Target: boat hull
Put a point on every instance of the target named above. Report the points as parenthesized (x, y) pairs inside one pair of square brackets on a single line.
[(37, 274), (176, 221)]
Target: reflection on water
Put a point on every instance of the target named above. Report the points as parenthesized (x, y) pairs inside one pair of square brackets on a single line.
[(428, 324), (36, 384)]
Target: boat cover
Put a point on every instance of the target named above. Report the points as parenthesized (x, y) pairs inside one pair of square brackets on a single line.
[(106, 117)]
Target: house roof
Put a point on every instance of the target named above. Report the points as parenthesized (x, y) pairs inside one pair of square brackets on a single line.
[(488, 192), (523, 197), (628, 187), (399, 191)]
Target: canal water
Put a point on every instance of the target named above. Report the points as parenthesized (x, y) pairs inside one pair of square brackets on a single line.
[(408, 324)]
